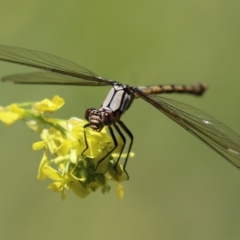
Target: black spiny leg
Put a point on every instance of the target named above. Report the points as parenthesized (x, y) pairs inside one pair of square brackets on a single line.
[(85, 138), (115, 146), (120, 154), (130, 144)]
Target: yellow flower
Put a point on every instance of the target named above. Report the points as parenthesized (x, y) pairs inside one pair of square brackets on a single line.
[(75, 157), (47, 105), (11, 114), (73, 166)]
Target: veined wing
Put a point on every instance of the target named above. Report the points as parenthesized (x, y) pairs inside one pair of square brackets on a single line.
[(52, 64), (209, 130), (45, 77)]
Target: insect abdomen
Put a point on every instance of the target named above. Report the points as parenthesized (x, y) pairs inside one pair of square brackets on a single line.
[(197, 89)]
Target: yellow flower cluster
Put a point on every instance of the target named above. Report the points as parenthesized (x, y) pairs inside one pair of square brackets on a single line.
[(72, 153)]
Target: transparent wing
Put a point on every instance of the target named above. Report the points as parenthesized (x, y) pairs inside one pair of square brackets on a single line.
[(212, 132), (49, 78), (52, 64)]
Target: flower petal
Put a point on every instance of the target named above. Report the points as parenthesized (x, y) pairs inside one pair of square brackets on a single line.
[(47, 105), (52, 173), (9, 117), (38, 145), (44, 161), (120, 191)]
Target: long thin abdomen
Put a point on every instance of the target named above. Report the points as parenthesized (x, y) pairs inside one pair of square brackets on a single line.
[(197, 89)]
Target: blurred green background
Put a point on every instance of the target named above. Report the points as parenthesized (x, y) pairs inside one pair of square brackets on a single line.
[(178, 188)]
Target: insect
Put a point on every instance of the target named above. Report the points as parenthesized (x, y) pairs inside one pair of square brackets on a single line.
[(63, 72)]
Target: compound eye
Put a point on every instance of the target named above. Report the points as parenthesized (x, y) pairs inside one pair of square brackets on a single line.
[(108, 118), (88, 113)]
